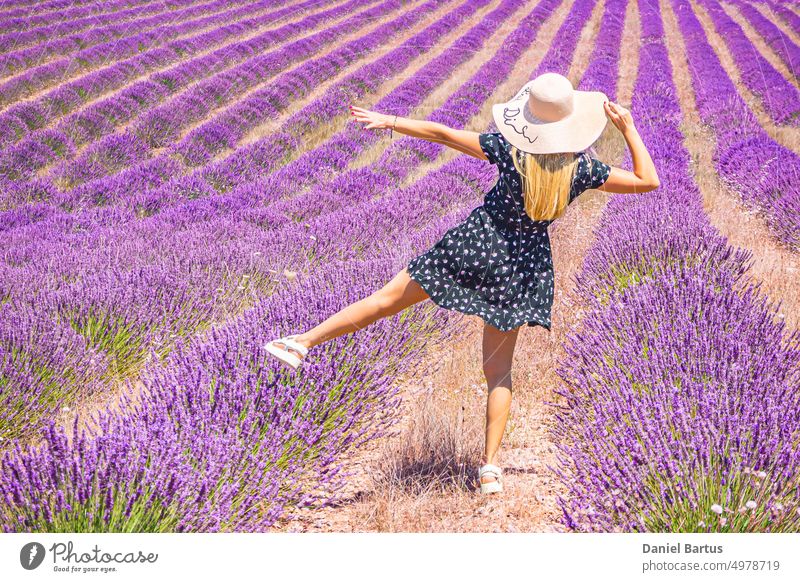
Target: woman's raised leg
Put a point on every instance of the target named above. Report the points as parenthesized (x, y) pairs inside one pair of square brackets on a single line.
[(498, 354), (398, 294)]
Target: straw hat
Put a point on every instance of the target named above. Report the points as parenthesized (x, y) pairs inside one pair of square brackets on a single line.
[(549, 116)]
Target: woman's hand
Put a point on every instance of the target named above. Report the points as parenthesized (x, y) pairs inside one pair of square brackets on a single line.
[(644, 177), (619, 116), (373, 119)]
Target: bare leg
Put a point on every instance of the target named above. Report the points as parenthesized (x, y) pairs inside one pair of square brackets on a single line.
[(498, 353), (398, 294)]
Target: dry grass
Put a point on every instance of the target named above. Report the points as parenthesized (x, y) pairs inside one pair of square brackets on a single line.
[(438, 450), (774, 266)]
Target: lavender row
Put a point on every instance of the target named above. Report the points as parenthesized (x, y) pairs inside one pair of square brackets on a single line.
[(679, 410), (99, 117), (225, 130), (22, 32), (346, 389), (20, 8), (319, 169), (331, 157), (44, 368), (441, 187), (39, 78), (778, 40), (129, 147), (19, 59), (150, 174), (39, 15), (401, 158), (504, 60), (781, 99), (162, 125), (559, 60), (103, 117), (762, 171), (410, 207), (144, 305), (790, 17), (603, 69), (245, 165)]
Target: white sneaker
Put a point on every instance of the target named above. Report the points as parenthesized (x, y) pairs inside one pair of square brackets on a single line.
[(284, 352), (492, 471)]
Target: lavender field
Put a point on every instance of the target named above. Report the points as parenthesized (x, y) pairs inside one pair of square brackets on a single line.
[(180, 182)]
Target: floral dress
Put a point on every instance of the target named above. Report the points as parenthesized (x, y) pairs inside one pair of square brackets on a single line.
[(497, 263)]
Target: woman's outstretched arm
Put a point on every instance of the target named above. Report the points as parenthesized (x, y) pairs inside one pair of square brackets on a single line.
[(459, 139), (644, 177)]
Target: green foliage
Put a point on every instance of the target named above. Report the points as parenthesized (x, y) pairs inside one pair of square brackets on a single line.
[(53, 390), (168, 82), (148, 514), (121, 341), (725, 498)]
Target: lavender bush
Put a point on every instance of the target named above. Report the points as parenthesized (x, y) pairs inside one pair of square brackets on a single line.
[(681, 407), (781, 99), (778, 40), (23, 118), (151, 15), (764, 173), (147, 290)]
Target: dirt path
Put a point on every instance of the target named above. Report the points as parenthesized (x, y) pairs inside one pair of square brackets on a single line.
[(422, 478)]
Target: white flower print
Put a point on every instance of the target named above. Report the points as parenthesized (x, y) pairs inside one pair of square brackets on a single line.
[(497, 263)]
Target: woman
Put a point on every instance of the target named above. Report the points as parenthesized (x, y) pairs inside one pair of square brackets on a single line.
[(497, 262)]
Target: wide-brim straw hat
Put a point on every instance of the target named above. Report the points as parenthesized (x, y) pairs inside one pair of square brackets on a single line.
[(549, 116)]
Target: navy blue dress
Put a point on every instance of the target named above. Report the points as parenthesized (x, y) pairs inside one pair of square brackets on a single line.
[(497, 263)]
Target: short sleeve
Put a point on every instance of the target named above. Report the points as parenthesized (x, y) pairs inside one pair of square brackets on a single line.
[(590, 173), (598, 173), (494, 146)]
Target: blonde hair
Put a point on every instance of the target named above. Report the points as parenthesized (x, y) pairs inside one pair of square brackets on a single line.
[(546, 182)]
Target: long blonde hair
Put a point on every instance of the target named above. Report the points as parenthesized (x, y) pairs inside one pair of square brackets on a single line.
[(546, 182)]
